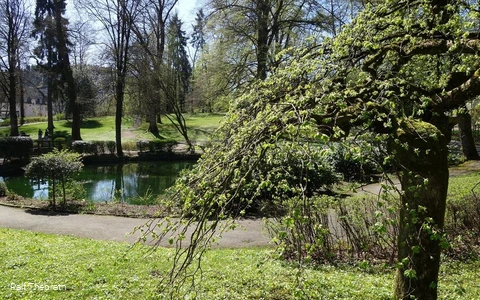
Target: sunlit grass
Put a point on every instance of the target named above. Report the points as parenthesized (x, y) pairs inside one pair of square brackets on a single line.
[(90, 269), (200, 126)]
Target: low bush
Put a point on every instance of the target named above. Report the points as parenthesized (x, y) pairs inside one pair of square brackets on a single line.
[(84, 147), (161, 146), (16, 147), (100, 146), (129, 146), (60, 143), (111, 146), (365, 226), (142, 145), (3, 189)]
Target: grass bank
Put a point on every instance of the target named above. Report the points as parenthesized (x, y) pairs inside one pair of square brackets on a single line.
[(74, 268)]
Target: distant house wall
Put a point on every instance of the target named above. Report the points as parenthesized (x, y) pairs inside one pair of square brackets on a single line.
[(33, 108)]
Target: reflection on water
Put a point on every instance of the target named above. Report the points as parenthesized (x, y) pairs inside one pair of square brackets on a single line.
[(104, 183)]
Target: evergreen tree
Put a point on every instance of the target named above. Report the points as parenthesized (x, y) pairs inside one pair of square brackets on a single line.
[(52, 53)]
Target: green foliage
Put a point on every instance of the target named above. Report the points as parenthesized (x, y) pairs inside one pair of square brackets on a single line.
[(60, 143), (55, 167), (111, 146), (155, 146), (357, 160), (286, 170), (16, 146), (84, 147), (100, 147), (3, 189)]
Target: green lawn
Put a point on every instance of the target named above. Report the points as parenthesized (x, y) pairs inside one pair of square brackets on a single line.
[(103, 129), (88, 269)]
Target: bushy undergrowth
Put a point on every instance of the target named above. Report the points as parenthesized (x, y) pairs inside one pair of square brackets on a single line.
[(357, 160), (365, 226), (3, 189)]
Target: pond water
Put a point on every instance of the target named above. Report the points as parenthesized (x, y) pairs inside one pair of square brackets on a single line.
[(124, 182)]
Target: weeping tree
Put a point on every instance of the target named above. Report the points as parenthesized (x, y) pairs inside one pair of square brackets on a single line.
[(390, 73)]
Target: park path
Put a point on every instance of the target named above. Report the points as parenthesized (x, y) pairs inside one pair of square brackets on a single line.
[(250, 232)]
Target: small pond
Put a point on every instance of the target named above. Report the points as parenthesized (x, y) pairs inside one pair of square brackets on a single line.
[(125, 182)]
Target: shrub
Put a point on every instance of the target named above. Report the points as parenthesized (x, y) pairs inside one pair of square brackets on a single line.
[(84, 147), (60, 143), (111, 146), (357, 160), (142, 145), (16, 146), (129, 146), (55, 167), (3, 189), (161, 146), (100, 146)]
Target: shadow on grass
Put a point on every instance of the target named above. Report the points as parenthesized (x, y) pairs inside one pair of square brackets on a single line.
[(85, 124)]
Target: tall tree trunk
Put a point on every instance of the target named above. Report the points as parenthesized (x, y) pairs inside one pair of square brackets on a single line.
[(466, 137), (423, 174), (67, 71), (263, 9), (152, 123), (118, 115), (50, 88), (12, 99), (22, 95)]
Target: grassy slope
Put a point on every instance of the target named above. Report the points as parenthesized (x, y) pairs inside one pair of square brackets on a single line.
[(108, 270), (103, 128)]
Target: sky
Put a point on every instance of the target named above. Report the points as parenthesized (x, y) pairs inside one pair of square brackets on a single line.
[(186, 11)]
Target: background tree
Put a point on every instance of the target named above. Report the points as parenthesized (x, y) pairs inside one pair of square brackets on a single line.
[(14, 25), (44, 30), (378, 75), (117, 17), (178, 73), (151, 36), (66, 68)]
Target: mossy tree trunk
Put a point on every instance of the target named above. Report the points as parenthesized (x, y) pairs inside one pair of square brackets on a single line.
[(421, 151)]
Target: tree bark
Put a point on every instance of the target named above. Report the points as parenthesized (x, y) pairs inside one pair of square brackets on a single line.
[(118, 115), (423, 174), (12, 99), (263, 9), (50, 88), (466, 136), (22, 95)]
